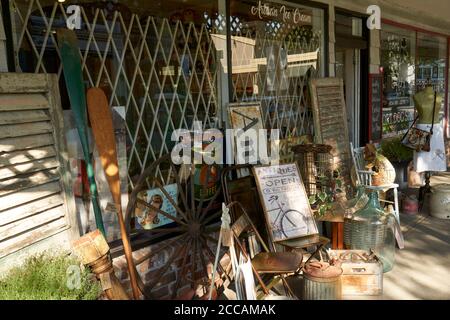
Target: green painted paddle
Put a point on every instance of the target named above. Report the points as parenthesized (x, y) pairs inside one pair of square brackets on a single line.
[(70, 59)]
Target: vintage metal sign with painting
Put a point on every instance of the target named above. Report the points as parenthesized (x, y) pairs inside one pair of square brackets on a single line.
[(148, 218), (285, 202)]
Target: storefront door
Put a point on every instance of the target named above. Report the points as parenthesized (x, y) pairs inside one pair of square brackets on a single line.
[(352, 66), (348, 68)]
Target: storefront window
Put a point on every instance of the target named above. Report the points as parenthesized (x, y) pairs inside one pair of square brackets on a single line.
[(410, 60), (276, 48), (398, 65), (448, 98), (431, 58)]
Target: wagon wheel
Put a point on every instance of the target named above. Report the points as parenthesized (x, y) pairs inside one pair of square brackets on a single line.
[(189, 227)]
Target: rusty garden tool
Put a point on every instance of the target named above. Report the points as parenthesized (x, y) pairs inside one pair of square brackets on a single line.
[(103, 131)]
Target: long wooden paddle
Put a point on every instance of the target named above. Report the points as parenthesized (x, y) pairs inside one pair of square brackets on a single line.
[(70, 59), (103, 131)]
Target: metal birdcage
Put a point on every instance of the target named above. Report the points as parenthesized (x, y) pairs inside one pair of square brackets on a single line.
[(315, 162)]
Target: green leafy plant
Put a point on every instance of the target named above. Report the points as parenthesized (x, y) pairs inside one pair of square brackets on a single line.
[(329, 188), (395, 151), (47, 277)]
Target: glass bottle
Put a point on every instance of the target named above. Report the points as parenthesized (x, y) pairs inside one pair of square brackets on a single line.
[(351, 206), (373, 229)]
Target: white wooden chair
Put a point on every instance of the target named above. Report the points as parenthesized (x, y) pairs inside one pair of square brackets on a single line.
[(364, 178)]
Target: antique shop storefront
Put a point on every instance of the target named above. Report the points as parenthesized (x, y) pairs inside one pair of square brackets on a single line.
[(169, 65), (165, 65)]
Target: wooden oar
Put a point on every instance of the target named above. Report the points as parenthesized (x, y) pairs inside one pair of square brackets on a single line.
[(70, 59), (103, 131)]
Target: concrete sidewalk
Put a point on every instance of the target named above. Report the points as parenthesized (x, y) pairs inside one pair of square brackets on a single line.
[(422, 269)]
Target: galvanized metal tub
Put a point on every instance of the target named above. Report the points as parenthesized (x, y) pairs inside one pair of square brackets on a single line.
[(440, 201), (322, 282)]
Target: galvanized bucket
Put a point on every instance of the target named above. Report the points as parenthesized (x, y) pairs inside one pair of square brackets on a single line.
[(322, 282)]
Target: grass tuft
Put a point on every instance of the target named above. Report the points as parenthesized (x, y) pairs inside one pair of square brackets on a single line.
[(46, 277)]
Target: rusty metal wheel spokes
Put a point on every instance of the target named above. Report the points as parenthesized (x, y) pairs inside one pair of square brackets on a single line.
[(190, 230)]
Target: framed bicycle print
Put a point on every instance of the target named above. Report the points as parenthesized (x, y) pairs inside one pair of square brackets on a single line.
[(285, 202)]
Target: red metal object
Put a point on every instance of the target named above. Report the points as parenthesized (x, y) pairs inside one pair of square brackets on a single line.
[(319, 271), (410, 205)]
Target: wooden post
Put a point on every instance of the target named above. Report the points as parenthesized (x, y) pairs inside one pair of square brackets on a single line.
[(337, 235), (93, 250)]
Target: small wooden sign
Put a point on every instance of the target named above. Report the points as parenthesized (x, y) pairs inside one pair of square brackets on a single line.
[(148, 218), (375, 107), (285, 202)]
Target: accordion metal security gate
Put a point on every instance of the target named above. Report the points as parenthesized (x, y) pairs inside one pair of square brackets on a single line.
[(167, 74)]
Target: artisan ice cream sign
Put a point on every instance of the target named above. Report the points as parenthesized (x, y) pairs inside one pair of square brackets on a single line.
[(264, 10)]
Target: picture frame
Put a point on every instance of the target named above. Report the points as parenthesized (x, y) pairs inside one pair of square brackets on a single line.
[(285, 202), (244, 116)]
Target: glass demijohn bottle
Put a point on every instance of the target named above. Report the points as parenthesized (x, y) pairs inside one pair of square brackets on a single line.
[(373, 229)]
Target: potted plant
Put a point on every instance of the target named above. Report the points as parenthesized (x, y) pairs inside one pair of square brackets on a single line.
[(330, 191), (400, 156)]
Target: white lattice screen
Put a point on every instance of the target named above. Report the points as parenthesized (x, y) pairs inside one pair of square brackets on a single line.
[(164, 73), (273, 63)]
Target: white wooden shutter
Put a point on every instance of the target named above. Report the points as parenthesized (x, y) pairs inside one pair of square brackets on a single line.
[(35, 200), (330, 121)]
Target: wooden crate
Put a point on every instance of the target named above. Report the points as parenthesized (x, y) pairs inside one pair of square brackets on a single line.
[(360, 277)]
